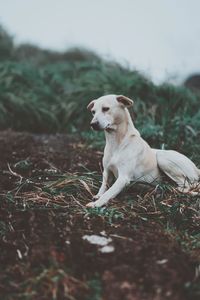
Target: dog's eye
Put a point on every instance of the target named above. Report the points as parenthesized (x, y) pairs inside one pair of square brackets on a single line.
[(104, 109), (93, 112)]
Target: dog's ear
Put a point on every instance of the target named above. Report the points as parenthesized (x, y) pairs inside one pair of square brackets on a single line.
[(124, 100), (90, 105)]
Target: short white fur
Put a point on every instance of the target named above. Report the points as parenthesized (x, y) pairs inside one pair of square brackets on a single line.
[(128, 157)]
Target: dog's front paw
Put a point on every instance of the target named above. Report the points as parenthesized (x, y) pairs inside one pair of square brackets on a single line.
[(91, 205), (94, 204), (95, 197)]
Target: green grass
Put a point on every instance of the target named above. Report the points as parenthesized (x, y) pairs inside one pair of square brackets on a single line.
[(95, 286)]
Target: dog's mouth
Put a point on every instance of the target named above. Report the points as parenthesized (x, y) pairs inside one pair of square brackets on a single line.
[(109, 128), (97, 127)]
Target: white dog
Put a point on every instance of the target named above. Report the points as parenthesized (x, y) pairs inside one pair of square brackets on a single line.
[(128, 157)]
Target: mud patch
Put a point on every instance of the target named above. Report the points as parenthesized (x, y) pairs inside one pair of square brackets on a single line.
[(44, 254)]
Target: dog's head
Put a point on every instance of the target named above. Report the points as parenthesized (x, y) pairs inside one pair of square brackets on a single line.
[(108, 111)]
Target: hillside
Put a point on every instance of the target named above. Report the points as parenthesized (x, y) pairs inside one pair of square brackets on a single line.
[(50, 168)]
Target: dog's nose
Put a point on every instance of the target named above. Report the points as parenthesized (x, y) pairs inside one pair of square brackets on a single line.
[(95, 125)]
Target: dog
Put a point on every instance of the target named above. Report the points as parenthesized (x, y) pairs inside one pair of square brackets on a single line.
[(128, 157)]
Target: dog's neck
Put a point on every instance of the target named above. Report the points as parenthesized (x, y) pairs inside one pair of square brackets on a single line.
[(118, 134)]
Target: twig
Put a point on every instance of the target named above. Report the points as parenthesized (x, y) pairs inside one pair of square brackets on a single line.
[(15, 174), (121, 237), (81, 205)]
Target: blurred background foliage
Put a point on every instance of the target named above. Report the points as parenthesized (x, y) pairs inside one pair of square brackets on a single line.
[(44, 91)]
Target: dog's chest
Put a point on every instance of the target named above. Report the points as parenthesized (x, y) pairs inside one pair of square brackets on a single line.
[(112, 161)]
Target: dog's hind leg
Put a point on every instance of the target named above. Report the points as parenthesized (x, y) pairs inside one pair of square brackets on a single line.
[(187, 190), (179, 168)]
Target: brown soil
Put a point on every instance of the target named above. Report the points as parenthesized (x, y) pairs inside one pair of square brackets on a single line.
[(146, 262)]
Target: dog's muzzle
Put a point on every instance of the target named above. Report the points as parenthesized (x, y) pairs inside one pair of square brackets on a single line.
[(95, 125)]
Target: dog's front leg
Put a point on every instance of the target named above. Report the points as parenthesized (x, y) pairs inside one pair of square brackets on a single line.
[(105, 183), (113, 191)]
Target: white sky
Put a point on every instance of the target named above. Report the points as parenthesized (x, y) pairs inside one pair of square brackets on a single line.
[(158, 37)]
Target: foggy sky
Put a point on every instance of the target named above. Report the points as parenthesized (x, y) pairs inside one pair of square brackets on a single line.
[(159, 37)]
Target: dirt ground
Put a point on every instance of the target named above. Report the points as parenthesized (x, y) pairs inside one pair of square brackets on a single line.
[(44, 250)]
